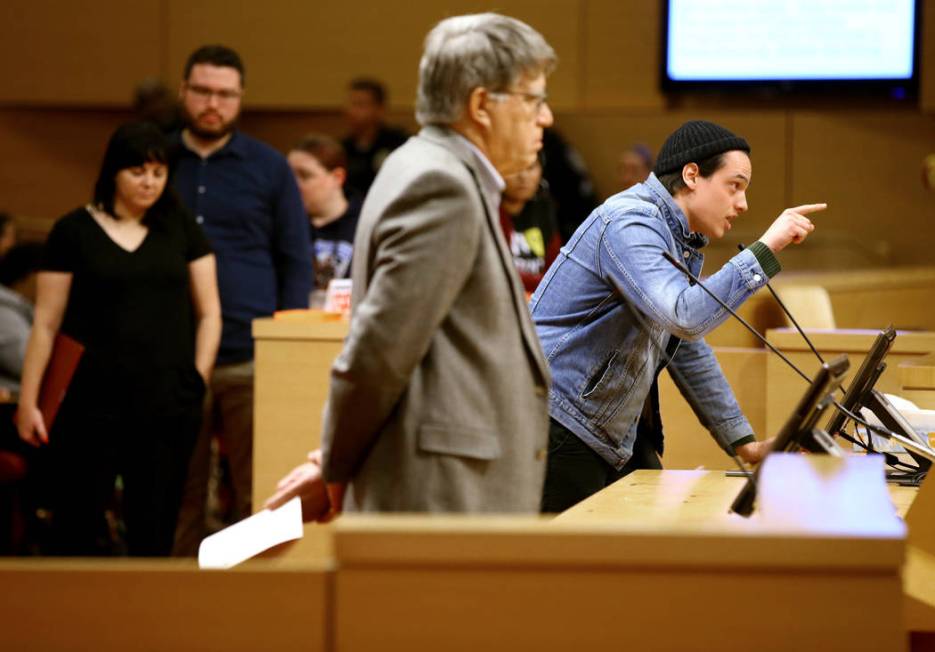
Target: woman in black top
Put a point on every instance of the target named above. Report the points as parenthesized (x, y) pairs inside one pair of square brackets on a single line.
[(132, 278)]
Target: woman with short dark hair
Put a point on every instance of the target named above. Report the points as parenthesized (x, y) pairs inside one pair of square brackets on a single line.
[(132, 278)]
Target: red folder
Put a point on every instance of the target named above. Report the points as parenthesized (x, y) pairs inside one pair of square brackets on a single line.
[(66, 354)]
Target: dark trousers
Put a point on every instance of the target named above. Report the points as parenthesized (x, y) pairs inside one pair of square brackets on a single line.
[(89, 449), (574, 471), (228, 412)]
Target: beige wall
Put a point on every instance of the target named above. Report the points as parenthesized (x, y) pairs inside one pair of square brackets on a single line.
[(67, 70)]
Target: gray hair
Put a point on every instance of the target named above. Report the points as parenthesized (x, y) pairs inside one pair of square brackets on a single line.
[(477, 50)]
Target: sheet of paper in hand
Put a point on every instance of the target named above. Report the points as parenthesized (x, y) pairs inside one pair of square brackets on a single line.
[(251, 536)]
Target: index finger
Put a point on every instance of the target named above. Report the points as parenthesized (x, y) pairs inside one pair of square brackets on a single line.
[(280, 498), (805, 209)]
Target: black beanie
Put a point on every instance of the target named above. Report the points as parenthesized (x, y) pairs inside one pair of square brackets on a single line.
[(693, 142)]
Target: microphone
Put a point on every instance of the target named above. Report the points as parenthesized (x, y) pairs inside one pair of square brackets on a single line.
[(876, 429), (687, 272), (788, 313)]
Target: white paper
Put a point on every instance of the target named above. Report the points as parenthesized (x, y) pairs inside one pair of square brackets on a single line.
[(251, 536), (922, 421)]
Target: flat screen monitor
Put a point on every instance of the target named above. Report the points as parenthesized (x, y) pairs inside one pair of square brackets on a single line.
[(870, 369), (861, 394), (799, 425), (832, 45)]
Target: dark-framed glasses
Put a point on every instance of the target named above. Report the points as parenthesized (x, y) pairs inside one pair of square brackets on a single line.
[(205, 93)]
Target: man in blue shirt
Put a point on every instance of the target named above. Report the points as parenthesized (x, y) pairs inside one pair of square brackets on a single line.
[(611, 312), (244, 196)]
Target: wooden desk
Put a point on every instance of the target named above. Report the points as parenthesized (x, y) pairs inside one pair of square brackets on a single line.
[(700, 500), (784, 387), (917, 381), (111, 605), (685, 499), (408, 583)]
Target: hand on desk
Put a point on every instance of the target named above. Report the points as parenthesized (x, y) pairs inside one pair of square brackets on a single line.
[(755, 451), (320, 502)]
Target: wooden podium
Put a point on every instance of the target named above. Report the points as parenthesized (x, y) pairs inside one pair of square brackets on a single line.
[(293, 363), (700, 499), (409, 583)]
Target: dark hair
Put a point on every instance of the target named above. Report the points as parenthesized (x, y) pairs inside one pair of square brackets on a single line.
[(216, 55), (673, 181), (373, 86), (5, 220), (19, 262), (133, 144), (325, 149)]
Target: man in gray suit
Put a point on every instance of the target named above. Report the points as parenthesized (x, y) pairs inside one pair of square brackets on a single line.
[(438, 400)]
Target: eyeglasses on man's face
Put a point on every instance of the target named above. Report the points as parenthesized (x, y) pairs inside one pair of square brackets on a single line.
[(204, 93), (535, 101)]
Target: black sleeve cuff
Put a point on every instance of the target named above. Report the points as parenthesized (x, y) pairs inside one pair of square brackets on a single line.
[(766, 258), (749, 439)]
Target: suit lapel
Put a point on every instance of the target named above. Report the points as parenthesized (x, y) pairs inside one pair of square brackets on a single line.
[(446, 139)]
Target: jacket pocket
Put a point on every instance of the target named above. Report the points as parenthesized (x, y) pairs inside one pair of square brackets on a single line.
[(599, 376), (462, 442)]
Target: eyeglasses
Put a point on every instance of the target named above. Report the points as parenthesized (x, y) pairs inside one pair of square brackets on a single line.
[(536, 101), (205, 93)]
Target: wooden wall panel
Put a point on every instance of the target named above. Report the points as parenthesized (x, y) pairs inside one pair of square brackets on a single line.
[(866, 165), (620, 53), (78, 53), (51, 158), (303, 54)]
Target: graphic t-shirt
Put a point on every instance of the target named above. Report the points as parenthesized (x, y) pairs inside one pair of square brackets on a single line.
[(533, 238), (332, 246)]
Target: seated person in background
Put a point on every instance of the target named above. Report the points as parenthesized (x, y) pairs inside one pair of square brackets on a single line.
[(369, 141), (17, 293), (320, 169), (634, 166), (611, 313), (527, 217)]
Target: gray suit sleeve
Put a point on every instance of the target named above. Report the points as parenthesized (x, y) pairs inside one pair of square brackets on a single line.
[(423, 249)]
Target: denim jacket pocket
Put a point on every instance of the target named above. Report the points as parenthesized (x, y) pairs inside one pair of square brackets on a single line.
[(611, 387), (599, 376), (459, 441)]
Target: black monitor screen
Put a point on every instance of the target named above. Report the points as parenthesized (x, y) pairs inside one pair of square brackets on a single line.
[(799, 424), (865, 378)]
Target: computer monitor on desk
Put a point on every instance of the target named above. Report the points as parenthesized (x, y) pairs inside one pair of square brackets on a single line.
[(861, 394), (799, 426), (866, 377)]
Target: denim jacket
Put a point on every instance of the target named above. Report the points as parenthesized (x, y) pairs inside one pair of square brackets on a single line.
[(608, 306)]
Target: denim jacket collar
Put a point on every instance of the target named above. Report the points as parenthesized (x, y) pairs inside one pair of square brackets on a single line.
[(675, 218)]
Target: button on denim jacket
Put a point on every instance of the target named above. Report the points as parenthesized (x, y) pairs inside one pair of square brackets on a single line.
[(607, 307)]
